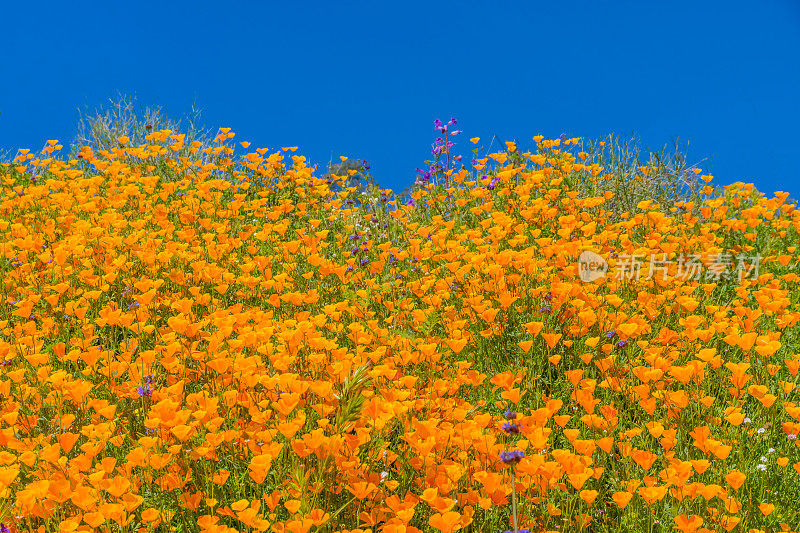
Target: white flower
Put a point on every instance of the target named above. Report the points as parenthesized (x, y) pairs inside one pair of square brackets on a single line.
[(761, 467), (761, 430), (792, 436), (763, 459), (771, 450), (384, 475)]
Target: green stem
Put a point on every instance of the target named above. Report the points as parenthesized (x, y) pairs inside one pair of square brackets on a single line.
[(514, 500)]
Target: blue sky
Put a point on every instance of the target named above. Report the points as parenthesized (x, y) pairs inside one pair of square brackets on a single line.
[(367, 80)]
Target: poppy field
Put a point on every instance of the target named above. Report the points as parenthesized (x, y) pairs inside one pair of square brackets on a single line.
[(208, 336)]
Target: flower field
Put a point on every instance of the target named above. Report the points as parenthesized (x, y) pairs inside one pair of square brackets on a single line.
[(201, 336)]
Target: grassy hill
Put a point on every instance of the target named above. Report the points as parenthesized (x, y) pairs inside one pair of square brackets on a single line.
[(200, 336)]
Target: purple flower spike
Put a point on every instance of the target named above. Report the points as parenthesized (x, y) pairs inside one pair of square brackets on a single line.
[(512, 457)]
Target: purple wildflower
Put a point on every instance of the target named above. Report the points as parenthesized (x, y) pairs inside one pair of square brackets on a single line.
[(512, 457), (510, 428)]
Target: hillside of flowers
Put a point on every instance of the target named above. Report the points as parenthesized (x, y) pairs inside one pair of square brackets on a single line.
[(208, 336)]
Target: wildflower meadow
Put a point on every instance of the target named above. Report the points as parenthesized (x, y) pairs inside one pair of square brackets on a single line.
[(200, 335)]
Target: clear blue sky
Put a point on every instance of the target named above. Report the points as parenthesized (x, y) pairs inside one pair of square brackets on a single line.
[(367, 80)]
